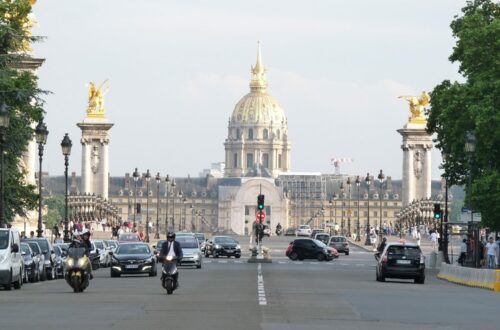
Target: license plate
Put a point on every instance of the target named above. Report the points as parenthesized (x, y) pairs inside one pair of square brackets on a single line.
[(404, 262), (132, 266)]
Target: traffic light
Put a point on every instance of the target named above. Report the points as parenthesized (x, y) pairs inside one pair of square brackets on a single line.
[(260, 202), (437, 211)]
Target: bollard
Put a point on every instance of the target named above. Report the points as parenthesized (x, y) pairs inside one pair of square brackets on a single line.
[(432, 260)]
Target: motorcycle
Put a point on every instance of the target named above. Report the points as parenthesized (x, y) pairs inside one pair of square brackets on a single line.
[(169, 272), (76, 269), (279, 231)]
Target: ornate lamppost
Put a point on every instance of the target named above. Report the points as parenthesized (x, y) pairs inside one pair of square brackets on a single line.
[(349, 208), (136, 178), (380, 178), (470, 148), (66, 150), (358, 232), (41, 134), (148, 178), (184, 202), (158, 180), (342, 208), (368, 181), (4, 124), (192, 217)]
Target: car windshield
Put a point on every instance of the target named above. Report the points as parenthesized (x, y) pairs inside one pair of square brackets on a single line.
[(99, 245), (76, 252), (129, 237), (35, 247), (224, 240), (112, 244), (200, 237), (159, 244), (25, 248), (188, 243), (57, 250), (407, 251), (4, 239), (43, 244), (304, 227), (318, 243), (133, 249)]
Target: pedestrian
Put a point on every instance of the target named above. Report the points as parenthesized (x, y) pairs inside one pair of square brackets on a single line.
[(32, 234), (463, 252), (141, 235), (434, 240), (491, 252), (418, 238)]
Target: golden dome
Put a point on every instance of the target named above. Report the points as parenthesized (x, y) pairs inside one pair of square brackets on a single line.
[(258, 106)]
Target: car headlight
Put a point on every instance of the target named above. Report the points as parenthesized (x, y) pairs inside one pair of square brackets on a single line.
[(196, 256), (217, 246), (238, 247)]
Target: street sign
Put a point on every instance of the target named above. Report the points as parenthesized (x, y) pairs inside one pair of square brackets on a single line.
[(465, 217)]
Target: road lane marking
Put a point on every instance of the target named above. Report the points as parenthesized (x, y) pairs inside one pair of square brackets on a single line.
[(260, 287)]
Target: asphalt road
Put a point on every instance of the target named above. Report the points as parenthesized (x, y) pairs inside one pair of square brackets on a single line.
[(230, 294)]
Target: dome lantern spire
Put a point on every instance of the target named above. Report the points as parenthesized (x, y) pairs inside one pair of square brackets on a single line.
[(258, 83)]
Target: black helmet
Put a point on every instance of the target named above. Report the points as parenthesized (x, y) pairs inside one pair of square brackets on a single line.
[(171, 235)]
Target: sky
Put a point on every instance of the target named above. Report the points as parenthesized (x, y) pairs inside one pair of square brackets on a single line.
[(176, 69)]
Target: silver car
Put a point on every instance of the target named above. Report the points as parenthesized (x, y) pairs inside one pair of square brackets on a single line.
[(190, 250)]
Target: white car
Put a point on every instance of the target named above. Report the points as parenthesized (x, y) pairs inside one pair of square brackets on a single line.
[(304, 230)]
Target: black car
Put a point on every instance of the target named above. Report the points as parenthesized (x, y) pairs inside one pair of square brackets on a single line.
[(222, 246), (60, 259), (37, 253), (405, 261), (290, 231), (306, 248), (48, 252), (133, 258), (31, 264)]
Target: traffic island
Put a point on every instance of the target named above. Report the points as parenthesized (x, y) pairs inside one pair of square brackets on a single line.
[(264, 257)]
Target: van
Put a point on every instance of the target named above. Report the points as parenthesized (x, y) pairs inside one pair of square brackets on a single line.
[(11, 259)]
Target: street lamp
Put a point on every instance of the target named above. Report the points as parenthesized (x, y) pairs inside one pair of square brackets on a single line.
[(192, 217), (349, 208), (158, 181), (470, 148), (66, 150), (368, 181), (4, 124), (136, 178), (444, 245), (41, 133), (184, 202), (342, 208), (358, 232), (380, 178), (167, 193), (148, 178)]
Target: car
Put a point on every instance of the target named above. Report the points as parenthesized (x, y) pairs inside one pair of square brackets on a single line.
[(322, 237), (60, 260), (316, 231), (267, 231), (104, 257), (184, 233), (112, 244), (37, 254), (308, 248), (133, 258), (290, 231), (201, 239), (157, 247), (340, 243), (128, 238), (31, 264), (191, 251), (11, 260), (304, 230), (49, 254), (222, 246), (401, 260)]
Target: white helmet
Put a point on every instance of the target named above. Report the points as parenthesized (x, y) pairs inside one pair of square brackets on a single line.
[(76, 233), (84, 231)]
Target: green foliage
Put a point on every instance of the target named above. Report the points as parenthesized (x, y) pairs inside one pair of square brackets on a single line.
[(55, 210), (472, 106), (19, 91)]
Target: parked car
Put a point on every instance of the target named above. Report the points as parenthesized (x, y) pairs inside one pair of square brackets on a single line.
[(398, 260), (316, 231), (31, 264), (112, 244), (11, 260), (201, 240), (304, 230), (290, 231), (133, 258), (222, 246), (191, 251), (322, 237), (48, 252), (307, 248), (267, 231), (128, 238), (60, 260), (340, 243), (37, 254), (103, 250)]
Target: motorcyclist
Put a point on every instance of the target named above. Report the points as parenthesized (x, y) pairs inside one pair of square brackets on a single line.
[(382, 245), (278, 229), (172, 248), (82, 240)]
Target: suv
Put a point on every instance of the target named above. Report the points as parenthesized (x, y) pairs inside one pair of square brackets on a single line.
[(304, 230), (48, 253), (306, 248), (401, 261), (340, 243)]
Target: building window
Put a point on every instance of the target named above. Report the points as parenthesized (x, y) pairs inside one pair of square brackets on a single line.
[(235, 160), (265, 160), (278, 134), (365, 213), (375, 214), (376, 204), (238, 134), (395, 214), (279, 161), (385, 204), (265, 134), (250, 134), (395, 203), (366, 203), (250, 161), (247, 210), (385, 214)]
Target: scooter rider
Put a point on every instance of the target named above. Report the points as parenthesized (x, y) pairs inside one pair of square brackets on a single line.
[(82, 240), (278, 229), (172, 248)]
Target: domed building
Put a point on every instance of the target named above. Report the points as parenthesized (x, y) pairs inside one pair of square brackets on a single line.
[(257, 142)]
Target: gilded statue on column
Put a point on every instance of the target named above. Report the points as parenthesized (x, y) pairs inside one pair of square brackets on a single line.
[(95, 108), (417, 104)]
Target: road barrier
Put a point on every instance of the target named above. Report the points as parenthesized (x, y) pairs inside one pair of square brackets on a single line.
[(479, 278)]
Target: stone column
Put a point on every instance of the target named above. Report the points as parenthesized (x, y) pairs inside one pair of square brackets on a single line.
[(427, 171), (105, 169), (86, 171)]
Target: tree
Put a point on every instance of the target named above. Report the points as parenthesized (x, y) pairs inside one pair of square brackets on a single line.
[(55, 210), (20, 93), (472, 105)]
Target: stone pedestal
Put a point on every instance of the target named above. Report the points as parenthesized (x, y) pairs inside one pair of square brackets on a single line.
[(417, 165), (95, 156)]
